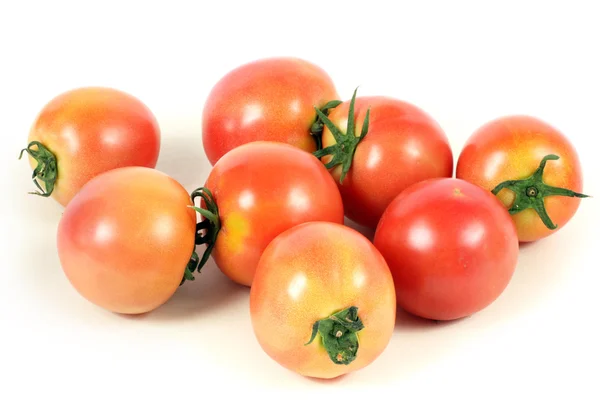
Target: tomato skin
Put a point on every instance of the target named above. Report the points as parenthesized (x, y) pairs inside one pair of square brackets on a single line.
[(306, 274), (451, 246), (403, 146), (125, 239), (91, 130), (512, 147), (263, 189), (271, 99)]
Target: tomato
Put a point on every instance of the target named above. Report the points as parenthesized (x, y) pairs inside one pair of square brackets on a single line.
[(451, 246), (531, 166), (401, 145), (323, 302), (255, 192), (271, 99), (125, 239), (86, 131)]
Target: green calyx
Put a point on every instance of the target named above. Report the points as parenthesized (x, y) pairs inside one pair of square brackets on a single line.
[(339, 335), (530, 192), (46, 170), (345, 147), (316, 130), (206, 232)]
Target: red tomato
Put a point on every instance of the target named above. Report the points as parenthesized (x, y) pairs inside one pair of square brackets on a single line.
[(403, 145), (451, 247), (322, 303), (259, 190), (511, 148), (125, 239), (86, 131), (271, 99)]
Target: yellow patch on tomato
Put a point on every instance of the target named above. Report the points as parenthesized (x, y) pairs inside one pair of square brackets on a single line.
[(236, 228)]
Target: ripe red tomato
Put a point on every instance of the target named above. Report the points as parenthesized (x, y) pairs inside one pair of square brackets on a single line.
[(402, 145), (265, 100), (451, 246), (86, 131), (258, 190), (532, 167), (322, 303), (125, 239)]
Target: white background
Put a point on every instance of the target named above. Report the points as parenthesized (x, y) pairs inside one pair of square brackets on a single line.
[(464, 63)]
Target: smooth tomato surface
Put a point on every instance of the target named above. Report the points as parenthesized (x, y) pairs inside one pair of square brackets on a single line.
[(263, 189), (512, 147), (126, 237), (451, 246), (403, 146), (270, 99), (309, 273), (91, 130)]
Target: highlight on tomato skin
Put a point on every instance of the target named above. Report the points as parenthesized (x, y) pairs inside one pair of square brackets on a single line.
[(451, 247), (86, 131), (532, 166), (269, 99), (125, 239), (258, 190), (323, 300), (393, 144)]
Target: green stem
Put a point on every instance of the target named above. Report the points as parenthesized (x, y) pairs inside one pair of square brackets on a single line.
[(530, 192), (345, 147), (46, 169), (339, 335), (316, 130), (207, 231)]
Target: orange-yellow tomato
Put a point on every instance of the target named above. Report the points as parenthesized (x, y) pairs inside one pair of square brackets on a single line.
[(125, 239), (88, 131), (325, 273), (512, 148)]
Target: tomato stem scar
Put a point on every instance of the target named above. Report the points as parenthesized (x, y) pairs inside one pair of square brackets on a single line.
[(339, 335), (206, 231), (345, 147), (46, 169), (530, 192)]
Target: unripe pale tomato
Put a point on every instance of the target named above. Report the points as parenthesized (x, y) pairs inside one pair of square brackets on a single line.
[(271, 99), (451, 246), (532, 167), (125, 239), (255, 192), (86, 131), (322, 303), (402, 145)]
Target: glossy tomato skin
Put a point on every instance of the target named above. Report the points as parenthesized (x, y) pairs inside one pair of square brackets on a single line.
[(306, 274), (512, 147), (125, 239), (263, 189), (91, 130), (404, 145), (451, 246), (271, 99)]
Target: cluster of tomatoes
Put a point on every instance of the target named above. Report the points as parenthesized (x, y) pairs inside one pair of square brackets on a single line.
[(289, 162)]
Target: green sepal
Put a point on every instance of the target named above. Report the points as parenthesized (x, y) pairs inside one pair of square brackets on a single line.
[(339, 335), (345, 147), (316, 129), (46, 169), (531, 191), (206, 232)]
